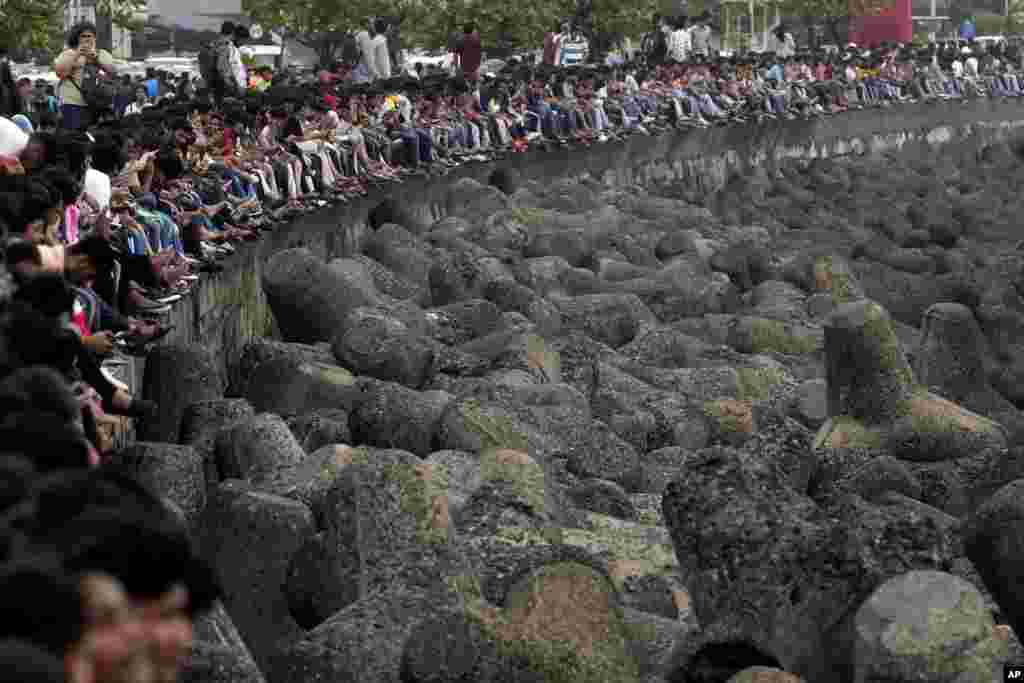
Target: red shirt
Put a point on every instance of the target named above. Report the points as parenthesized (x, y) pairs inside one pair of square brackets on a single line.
[(470, 54)]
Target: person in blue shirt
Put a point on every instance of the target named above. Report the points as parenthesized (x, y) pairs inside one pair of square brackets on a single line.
[(968, 29), (152, 84)]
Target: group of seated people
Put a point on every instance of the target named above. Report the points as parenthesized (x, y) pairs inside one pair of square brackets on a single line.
[(107, 228), (104, 229)]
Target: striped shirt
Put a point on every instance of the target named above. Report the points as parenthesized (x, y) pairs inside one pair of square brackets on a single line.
[(574, 50)]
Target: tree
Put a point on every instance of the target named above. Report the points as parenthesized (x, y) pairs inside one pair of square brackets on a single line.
[(502, 25), (831, 12), (124, 13), (322, 25), (30, 23)]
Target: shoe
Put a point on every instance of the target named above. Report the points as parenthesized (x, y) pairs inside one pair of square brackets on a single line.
[(138, 303)]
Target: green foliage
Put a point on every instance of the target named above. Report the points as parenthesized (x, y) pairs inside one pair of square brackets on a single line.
[(31, 23), (772, 335), (323, 24), (125, 13), (755, 383), (418, 491), (991, 24), (495, 431), (500, 24)]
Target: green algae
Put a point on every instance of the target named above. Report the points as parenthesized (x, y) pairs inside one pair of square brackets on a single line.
[(754, 384), (773, 336), (495, 431), (526, 480), (417, 493), (941, 648)]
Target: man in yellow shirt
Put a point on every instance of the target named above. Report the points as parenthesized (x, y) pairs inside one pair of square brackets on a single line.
[(82, 51)]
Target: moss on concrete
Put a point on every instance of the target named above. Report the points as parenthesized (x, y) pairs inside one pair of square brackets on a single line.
[(539, 358), (755, 383), (890, 355), (421, 486), (528, 216), (555, 649), (495, 431), (526, 480), (355, 456), (839, 283), (623, 541), (727, 421), (516, 535), (254, 317), (773, 336), (847, 432), (332, 374), (942, 647)]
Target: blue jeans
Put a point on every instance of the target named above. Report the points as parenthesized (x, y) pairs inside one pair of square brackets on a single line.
[(74, 117)]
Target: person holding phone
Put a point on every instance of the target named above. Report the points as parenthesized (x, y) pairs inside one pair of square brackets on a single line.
[(82, 51)]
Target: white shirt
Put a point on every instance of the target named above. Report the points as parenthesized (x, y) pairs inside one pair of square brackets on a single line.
[(971, 66), (381, 57), (679, 45), (97, 184), (958, 69), (363, 41), (13, 140)]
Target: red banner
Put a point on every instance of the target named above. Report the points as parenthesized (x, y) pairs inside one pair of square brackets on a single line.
[(893, 24)]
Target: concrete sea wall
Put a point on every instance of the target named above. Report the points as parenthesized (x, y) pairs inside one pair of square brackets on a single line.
[(225, 311)]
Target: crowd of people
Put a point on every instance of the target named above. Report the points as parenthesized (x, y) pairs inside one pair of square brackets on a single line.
[(114, 206)]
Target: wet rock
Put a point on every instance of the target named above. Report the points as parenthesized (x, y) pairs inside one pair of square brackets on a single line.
[(249, 539), (390, 415), (201, 423), (393, 514), (320, 428), (257, 448), (993, 541), (609, 318), (309, 298), (177, 376), (363, 642), (378, 345), (173, 472), (291, 381), (751, 546), (602, 454), (926, 626), (219, 654), (604, 497)]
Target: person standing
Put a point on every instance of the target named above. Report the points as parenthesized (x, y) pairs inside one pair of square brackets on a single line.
[(700, 36), (381, 54), (470, 53), (574, 48), (80, 55), (552, 44), (364, 45), (785, 43), (679, 45), (222, 72)]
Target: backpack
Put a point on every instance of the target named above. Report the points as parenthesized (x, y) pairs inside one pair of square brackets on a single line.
[(208, 64), (97, 88)]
